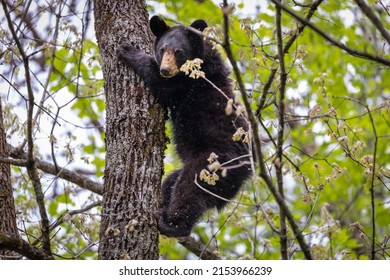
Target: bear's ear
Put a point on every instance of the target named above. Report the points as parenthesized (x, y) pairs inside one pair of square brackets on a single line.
[(199, 24), (158, 26)]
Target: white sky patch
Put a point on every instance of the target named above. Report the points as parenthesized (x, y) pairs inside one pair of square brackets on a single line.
[(348, 17)]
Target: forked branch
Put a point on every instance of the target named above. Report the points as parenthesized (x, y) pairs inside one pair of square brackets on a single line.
[(254, 127)]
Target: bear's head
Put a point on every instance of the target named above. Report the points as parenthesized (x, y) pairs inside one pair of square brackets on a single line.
[(175, 45)]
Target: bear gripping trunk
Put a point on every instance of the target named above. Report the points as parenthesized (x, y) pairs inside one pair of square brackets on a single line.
[(134, 138)]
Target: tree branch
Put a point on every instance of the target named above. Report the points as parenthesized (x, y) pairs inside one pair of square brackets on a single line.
[(333, 41), (15, 162), (64, 173), (372, 186), (67, 213), (313, 7), (279, 148), (374, 19), (16, 244), (198, 248)]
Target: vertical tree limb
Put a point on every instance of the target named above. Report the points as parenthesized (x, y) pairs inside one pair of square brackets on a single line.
[(280, 138), (31, 166), (372, 186)]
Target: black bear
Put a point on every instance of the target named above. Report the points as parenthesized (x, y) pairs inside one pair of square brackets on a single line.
[(202, 127)]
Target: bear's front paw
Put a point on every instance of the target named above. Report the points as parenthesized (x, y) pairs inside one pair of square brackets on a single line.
[(126, 50), (127, 47)]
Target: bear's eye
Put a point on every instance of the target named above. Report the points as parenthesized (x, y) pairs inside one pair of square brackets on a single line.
[(162, 50), (179, 52)]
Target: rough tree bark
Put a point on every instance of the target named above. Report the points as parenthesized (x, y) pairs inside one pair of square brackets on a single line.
[(7, 207), (135, 138)]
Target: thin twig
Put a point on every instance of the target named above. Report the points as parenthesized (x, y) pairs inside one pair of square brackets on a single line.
[(218, 196), (45, 86), (286, 48), (62, 218), (385, 8)]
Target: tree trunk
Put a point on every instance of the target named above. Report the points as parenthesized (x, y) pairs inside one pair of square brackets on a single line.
[(7, 207), (135, 138)]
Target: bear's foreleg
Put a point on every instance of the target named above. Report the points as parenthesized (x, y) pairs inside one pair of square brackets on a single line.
[(141, 63)]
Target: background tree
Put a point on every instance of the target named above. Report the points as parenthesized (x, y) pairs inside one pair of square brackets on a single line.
[(312, 76), (7, 207), (46, 72)]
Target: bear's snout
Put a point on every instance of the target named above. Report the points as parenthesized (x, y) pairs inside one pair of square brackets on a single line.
[(164, 71), (168, 67)]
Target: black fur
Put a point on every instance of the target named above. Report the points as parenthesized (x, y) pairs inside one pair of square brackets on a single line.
[(200, 124)]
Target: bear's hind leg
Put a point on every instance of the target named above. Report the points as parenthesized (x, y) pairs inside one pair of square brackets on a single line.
[(166, 188), (187, 202)]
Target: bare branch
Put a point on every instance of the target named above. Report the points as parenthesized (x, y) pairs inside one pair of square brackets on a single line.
[(27, 18), (62, 218), (15, 162), (385, 8), (286, 48), (332, 40), (279, 149), (374, 19), (63, 173), (372, 187), (198, 248)]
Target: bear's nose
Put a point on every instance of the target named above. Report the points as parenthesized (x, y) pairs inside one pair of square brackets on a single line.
[(165, 71)]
